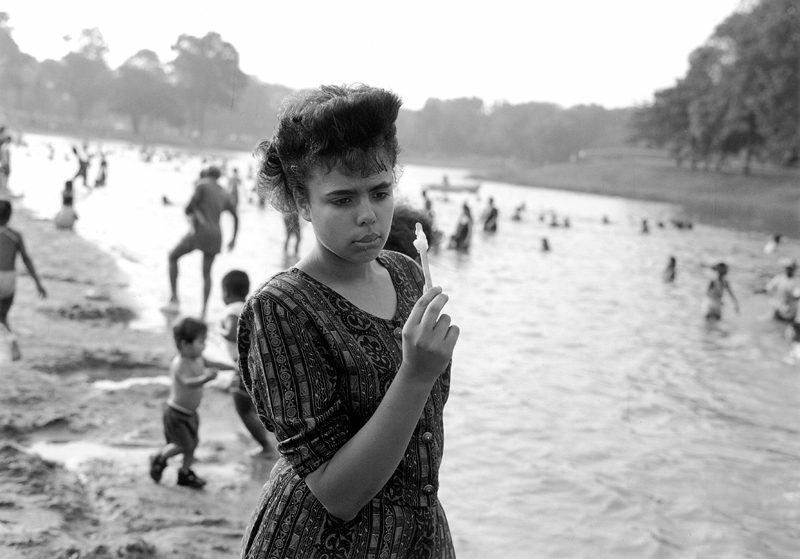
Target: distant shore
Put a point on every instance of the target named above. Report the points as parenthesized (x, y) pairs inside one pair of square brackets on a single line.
[(765, 201)]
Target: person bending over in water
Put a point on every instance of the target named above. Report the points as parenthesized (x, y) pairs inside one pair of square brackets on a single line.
[(783, 288), (204, 210), (344, 354), (716, 290)]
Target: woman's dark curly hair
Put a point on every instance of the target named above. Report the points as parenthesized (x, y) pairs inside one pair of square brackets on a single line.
[(351, 128)]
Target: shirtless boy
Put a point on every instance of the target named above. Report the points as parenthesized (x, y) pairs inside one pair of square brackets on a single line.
[(189, 373), (11, 244)]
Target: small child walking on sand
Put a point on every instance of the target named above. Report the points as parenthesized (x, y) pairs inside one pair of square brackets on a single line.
[(11, 244), (189, 373)]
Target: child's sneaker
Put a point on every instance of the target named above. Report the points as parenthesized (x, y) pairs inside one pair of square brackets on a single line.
[(157, 465), (190, 479)]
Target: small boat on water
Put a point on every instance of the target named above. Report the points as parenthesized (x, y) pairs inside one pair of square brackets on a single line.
[(471, 188)]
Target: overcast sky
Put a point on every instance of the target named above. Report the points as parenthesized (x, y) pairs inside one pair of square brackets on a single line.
[(614, 53)]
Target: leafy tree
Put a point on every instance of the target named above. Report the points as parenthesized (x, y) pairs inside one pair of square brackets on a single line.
[(142, 91), (13, 62), (86, 75), (206, 72)]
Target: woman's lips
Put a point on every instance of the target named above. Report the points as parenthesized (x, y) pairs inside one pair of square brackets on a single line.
[(368, 241)]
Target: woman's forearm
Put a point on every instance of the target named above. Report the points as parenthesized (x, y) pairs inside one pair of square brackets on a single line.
[(358, 470)]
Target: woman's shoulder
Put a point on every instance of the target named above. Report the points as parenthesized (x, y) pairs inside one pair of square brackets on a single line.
[(290, 289)]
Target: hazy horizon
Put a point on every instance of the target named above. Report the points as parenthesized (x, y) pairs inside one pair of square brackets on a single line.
[(614, 55)]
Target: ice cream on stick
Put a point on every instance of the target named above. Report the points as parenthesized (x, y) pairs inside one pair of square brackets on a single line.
[(421, 244)]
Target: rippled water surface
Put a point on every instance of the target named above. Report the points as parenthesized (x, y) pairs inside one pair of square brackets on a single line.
[(593, 412)]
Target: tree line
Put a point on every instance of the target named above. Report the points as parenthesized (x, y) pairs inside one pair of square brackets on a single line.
[(201, 96), (740, 95)]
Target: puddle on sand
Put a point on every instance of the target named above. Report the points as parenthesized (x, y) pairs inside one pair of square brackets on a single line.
[(248, 473), (223, 381), (73, 453)]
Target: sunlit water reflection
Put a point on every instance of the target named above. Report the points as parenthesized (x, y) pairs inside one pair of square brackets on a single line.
[(593, 411)]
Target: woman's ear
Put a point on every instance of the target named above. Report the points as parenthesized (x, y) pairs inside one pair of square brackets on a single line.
[(303, 209)]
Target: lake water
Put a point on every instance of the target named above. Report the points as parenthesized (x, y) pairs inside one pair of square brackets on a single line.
[(593, 413)]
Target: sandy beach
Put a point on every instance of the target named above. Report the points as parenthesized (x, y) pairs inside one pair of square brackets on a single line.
[(97, 500), (643, 436)]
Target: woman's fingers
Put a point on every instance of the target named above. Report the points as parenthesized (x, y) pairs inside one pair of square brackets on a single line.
[(433, 310), (415, 316)]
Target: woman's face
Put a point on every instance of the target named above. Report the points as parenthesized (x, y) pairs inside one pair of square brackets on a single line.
[(351, 215)]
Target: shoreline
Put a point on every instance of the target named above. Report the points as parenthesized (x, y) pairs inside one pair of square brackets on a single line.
[(74, 458)]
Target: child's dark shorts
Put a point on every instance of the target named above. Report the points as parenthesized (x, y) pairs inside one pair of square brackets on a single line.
[(181, 428)]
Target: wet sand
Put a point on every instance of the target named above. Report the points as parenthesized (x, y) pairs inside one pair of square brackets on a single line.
[(73, 457)]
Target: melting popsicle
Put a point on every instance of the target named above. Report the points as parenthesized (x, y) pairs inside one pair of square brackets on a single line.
[(421, 244)]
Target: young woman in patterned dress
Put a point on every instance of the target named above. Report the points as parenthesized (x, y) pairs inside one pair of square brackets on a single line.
[(345, 357)]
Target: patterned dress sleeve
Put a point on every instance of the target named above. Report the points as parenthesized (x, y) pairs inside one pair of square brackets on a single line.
[(292, 380)]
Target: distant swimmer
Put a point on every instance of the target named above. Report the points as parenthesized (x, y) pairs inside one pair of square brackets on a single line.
[(784, 290), (717, 287), (671, 270)]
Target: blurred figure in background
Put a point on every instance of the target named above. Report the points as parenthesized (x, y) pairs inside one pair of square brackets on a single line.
[(463, 235), (403, 231)]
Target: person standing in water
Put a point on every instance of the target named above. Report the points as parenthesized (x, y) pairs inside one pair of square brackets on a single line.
[(490, 217), (670, 271), (83, 165), (5, 160), (345, 355), (783, 288), (233, 186), (715, 292), (463, 235), (204, 209), (102, 172)]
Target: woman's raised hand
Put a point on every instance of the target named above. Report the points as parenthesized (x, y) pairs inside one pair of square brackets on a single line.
[(428, 337)]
